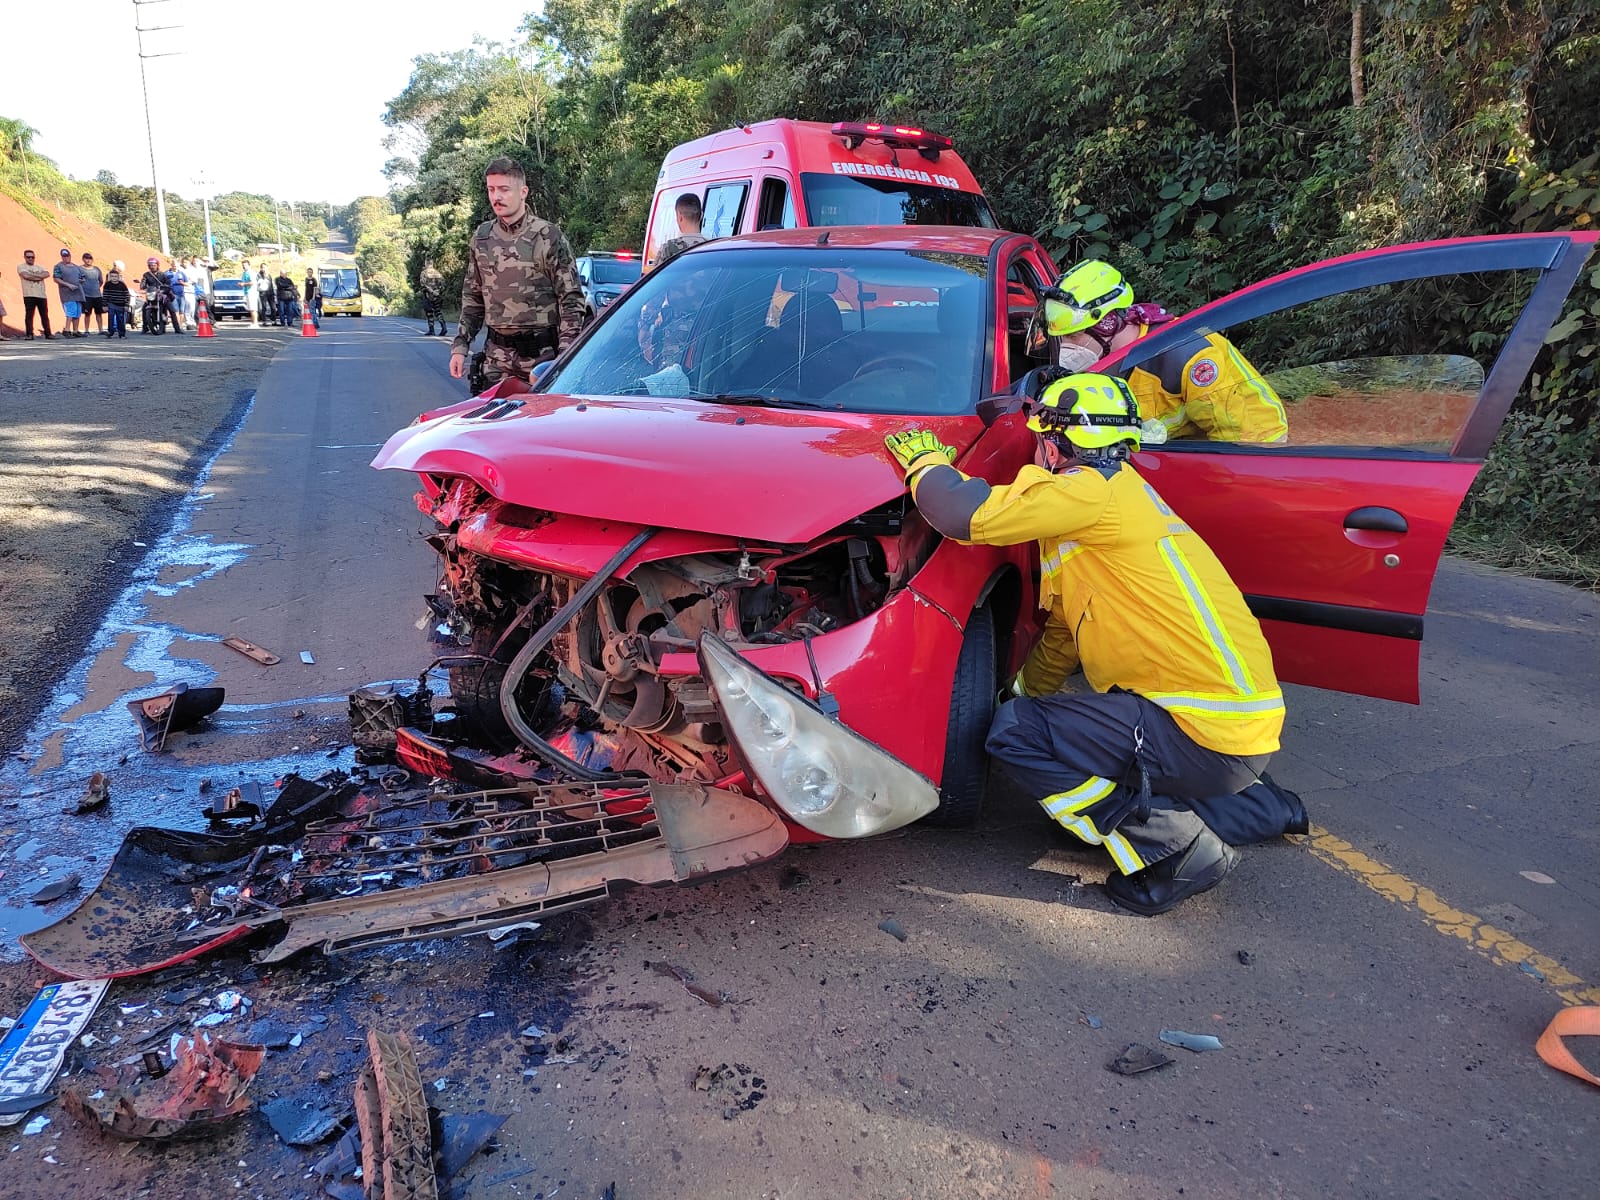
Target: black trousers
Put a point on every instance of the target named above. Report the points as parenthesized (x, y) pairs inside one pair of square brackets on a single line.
[(31, 305), (1080, 756)]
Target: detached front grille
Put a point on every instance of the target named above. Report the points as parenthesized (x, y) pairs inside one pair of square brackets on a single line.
[(398, 842)]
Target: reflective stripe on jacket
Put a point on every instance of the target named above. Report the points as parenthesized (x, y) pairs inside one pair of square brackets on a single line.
[(1135, 594), (1207, 389)]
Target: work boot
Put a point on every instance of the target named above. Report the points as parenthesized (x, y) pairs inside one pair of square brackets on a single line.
[(1166, 884)]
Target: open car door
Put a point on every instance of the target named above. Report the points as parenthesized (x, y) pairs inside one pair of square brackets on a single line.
[(1393, 370)]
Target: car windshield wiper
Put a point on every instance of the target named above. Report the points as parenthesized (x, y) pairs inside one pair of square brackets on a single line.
[(756, 398)]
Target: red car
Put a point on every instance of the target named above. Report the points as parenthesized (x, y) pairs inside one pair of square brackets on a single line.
[(687, 554)]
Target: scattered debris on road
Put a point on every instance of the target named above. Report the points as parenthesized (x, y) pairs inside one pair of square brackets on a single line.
[(302, 1123), (178, 708), (56, 889), (307, 658), (704, 994), (250, 650), (206, 1087), (1198, 1042), (1137, 1058), (894, 929), (96, 795), (396, 1131), (1246, 958)]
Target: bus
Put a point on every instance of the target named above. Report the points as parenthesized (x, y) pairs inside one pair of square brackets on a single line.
[(341, 289)]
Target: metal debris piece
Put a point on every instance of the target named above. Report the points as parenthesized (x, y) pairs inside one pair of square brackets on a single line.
[(1198, 1042), (392, 1112), (243, 803), (96, 794), (1246, 958), (461, 1136), (703, 994), (175, 709), (894, 929), (250, 650), (206, 1087), (1137, 1058), (56, 889), (299, 1123), (379, 710)]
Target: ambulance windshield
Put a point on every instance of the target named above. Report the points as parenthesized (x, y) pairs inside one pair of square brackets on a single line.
[(857, 200)]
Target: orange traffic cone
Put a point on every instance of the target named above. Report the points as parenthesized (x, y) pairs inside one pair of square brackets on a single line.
[(202, 320), (308, 327)]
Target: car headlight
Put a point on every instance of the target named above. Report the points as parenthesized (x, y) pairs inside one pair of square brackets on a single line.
[(604, 298), (824, 775)]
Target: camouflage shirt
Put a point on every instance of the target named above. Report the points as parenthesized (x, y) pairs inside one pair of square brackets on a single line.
[(523, 279), (431, 282), (673, 247)]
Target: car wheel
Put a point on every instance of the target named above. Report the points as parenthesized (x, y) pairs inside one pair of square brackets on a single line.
[(966, 763)]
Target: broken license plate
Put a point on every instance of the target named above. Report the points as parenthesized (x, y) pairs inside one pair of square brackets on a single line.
[(34, 1049)]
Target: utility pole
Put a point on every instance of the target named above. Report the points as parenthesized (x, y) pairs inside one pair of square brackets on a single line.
[(149, 131), (278, 227), (204, 187)]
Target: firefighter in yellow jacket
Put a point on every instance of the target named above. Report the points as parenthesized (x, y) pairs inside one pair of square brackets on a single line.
[(1202, 388), (1161, 764)]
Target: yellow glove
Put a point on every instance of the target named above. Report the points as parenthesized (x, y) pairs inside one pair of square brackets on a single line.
[(916, 449)]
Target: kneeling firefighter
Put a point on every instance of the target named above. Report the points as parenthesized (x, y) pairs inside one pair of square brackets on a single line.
[(1162, 763)]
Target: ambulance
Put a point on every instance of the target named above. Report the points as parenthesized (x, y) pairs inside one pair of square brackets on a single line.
[(786, 174)]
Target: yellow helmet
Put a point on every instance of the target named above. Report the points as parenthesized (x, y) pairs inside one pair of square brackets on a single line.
[(1083, 297), (1091, 411)]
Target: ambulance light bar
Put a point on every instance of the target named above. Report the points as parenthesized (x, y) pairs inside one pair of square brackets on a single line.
[(900, 137)]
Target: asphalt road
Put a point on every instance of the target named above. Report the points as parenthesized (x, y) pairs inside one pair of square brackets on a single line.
[(1377, 1030)]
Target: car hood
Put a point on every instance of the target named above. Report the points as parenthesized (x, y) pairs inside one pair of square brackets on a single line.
[(773, 475)]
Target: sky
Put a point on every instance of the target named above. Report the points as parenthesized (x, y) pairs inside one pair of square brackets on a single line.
[(325, 71)]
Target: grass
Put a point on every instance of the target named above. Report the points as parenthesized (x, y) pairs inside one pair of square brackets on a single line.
[(1516, 551)]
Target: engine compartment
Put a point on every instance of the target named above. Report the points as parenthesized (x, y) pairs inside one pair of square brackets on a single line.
[(600, 677)]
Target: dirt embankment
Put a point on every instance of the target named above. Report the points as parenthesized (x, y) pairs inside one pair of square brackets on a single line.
[(98, 439), (20, 230)]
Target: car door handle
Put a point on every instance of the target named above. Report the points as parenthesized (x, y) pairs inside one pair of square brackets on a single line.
[(1376, 519)]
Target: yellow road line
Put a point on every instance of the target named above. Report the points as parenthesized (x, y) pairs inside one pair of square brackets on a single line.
[(1495, 944)]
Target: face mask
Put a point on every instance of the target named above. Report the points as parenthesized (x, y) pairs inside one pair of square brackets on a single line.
[(1073, 358)]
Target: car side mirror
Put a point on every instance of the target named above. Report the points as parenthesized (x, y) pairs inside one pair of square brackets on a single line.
[(992, 408)]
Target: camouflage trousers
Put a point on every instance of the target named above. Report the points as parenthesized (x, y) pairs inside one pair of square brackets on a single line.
[(500, 361)]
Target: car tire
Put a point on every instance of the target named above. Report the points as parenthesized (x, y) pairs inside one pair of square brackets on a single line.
[(965, 778)]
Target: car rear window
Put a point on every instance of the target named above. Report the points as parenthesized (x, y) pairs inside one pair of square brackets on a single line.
[(614, 270), (852, 330), (851, 200)]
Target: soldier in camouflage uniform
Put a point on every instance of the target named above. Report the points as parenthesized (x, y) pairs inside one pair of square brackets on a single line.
[(686, 208), (431, 284), (522, 278)]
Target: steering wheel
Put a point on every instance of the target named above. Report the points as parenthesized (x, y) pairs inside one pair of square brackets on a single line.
[(885, 362)]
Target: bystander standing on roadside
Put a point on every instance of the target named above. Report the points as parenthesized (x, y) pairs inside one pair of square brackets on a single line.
[(69, 281), (34, 297), (288, 297), (94, 300), (313, 293), (199, 285), (265, 303), (176, 285), (3, 337), (117, 299), (247, 278)]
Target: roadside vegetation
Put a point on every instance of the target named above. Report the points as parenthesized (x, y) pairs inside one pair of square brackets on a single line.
[(1199, 146)]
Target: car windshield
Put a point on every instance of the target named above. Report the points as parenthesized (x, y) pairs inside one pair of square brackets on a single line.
[(614, 270), (891, 331), (340, 284), (852, 200), (227, 283)]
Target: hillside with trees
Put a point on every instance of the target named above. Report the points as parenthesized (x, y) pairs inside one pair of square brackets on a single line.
[(1199, 145)]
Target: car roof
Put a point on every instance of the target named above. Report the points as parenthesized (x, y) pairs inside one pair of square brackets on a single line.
[(952, 239)]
